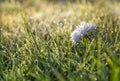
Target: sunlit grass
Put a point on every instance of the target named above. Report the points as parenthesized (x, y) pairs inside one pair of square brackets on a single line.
[(35, 41)]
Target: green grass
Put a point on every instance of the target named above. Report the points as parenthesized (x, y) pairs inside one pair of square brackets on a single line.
[(35, 41)]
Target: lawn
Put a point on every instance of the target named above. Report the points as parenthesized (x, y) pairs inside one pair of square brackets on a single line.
[(35, 42)]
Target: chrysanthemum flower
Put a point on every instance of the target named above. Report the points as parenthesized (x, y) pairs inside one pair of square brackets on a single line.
[(83, 29)]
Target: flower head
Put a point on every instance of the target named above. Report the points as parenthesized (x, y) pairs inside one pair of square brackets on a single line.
[(83, 29)]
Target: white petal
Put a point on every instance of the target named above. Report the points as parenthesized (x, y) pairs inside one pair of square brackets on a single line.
[(76, 36), (82, 30)]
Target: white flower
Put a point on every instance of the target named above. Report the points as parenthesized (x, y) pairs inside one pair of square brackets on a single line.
[(83, 29)]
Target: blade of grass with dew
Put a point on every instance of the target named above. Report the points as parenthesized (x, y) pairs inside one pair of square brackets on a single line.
[(98, 55), (28, 32), (115, 70)]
